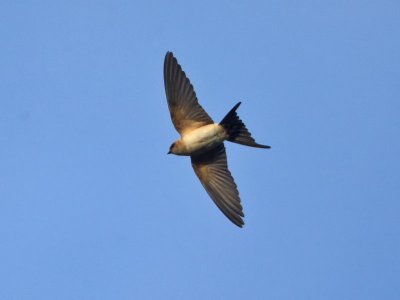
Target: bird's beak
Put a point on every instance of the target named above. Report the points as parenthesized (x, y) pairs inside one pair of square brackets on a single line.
[(169, 152)]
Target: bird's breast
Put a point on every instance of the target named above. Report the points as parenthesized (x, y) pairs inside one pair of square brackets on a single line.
[(203, 138)]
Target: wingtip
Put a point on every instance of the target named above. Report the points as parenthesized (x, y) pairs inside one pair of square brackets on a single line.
[(237, 220), (240, 225), (168, 56)]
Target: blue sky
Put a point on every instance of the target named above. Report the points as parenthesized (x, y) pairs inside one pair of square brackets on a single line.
[(91, 207)]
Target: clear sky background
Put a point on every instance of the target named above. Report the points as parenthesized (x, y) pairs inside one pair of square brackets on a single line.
[(91, 207)]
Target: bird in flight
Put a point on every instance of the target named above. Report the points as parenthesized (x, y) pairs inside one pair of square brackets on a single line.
[(203, 140)]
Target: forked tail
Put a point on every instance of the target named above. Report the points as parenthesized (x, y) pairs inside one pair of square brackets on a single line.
[(237, 131)]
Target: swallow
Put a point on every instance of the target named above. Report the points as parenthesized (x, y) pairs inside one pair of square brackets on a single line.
[(203, 140)]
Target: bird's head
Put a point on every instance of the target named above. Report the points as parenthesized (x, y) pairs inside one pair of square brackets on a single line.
[(178, 148), (171, 149)]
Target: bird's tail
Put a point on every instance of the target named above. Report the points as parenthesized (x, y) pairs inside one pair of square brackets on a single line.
[(237, 131)]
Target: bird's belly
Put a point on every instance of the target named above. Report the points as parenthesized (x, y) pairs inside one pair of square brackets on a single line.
[(204, 138)]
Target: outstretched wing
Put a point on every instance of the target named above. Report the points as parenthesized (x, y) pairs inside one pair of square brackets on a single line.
[(186, 112), (212, 169)]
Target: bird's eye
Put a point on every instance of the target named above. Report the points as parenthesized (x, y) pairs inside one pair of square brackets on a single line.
[(172, 146)]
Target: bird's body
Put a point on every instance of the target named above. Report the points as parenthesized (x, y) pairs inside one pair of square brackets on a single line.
[(203, 140), (200, 140)]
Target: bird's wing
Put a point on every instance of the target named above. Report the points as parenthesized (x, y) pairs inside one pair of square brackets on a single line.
[(212, 169), (186, 112)]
